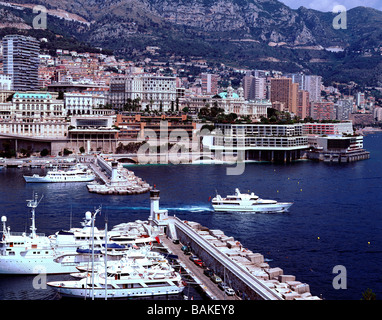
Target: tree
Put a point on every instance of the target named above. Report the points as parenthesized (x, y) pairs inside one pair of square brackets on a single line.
[(82, 149), (44, 152), (67, 152), (369, 295)]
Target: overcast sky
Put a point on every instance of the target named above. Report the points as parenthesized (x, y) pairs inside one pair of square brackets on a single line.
[(327, 5)]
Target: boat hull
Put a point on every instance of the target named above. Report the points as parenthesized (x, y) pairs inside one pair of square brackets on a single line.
[(88, 178), (33, 267), (261, 208), (112, 293)]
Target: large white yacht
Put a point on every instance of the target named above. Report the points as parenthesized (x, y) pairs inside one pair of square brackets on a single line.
[(129, 280), (78, 173), (34, 253), (28, 253), (242, 202)]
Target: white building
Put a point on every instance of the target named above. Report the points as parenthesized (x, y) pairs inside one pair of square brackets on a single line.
[(235, 103), (260, 141), (5, 82), (34, 115), (82, 103), (32, 107), (378, 113), (154, 92), (313, 84)]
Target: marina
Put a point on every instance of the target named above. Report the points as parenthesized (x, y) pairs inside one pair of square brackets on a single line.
[(304, 243)]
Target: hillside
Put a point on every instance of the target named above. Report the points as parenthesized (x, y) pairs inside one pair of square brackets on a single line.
[(264, 34)]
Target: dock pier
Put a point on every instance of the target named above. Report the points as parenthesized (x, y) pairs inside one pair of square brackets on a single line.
[(244, 271), (115, 179)]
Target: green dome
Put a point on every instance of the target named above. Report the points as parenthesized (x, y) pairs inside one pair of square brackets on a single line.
[(223, 95)]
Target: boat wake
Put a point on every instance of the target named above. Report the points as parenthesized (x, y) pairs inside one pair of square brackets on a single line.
[(191, 209), (170, 209)]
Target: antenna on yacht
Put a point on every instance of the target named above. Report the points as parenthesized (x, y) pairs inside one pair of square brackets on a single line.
[(33, 204), (106, 257), (93, 218)]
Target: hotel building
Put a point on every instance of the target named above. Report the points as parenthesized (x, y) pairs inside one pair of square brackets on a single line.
[(154, 92)]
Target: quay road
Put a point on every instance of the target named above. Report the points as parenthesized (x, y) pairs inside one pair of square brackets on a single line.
[(197, 271), (250, 280)]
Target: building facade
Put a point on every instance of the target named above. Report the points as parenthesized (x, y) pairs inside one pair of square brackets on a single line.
[(323, 110), (82, 103), (285, 92), (209, 83), (254, 88), (337, 128), (153, 91), (20, 61), (261, 142)]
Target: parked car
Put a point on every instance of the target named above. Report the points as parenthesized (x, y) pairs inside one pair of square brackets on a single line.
[(186, 250), (209, 273), (216, 279), (192, 258), (199, 262), (222, 285), (229, 291)]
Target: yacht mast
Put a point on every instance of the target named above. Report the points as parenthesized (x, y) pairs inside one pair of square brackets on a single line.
[(33, 205)]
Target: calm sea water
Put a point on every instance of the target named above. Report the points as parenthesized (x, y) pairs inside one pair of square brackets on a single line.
[(336, 218)]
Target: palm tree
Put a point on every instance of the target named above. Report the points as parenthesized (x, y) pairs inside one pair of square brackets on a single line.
[(369, 295)]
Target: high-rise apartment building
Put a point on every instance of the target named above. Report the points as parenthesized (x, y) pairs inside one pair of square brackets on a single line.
[(303, 105), (254, 88), (20, 61), (310, 83), (313, 84), (285, 92), (323, 110), (209, 83)]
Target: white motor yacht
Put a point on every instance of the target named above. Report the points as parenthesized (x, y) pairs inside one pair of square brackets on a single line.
[(130, 280), (34, 253), (78, 173), (242, 202)]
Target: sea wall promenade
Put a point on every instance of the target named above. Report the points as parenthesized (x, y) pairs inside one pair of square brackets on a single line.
[(246, 272)]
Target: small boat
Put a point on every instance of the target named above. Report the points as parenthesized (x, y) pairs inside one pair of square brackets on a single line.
[(242, 202), (78, 173)]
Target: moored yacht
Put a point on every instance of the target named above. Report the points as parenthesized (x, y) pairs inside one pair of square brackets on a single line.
[(123, 282), (78, 173), (243, 202), (28, 253), (34, 253)]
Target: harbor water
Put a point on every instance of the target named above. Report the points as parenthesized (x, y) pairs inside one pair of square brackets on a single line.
[(336, 218)]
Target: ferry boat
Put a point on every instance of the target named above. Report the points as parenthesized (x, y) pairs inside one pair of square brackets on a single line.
[(78, 173), (122, 282), (242, 202)]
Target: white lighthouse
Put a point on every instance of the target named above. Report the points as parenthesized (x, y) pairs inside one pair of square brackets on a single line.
[(158, 218)]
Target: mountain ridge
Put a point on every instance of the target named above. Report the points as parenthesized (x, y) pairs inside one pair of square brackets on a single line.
[(276, 35)]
